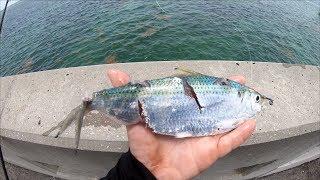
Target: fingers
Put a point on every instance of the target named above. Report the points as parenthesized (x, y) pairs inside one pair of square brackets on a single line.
[(238, 78), (118, 78), (235, 138)]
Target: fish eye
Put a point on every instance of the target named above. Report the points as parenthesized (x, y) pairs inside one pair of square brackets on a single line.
[(257, 99)]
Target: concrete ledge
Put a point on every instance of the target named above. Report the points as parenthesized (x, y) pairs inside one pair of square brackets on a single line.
[(287, 134), (32, 103)]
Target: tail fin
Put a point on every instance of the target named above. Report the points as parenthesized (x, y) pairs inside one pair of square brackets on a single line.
[(85, 108), (64, 123), (76, 115)]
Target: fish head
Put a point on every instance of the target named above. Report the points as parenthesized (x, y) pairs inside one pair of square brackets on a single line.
[(255, 100)]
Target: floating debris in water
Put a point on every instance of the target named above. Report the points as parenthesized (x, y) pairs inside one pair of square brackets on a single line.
[(39, 122), (288, 52), (76, 52), (111, 59), (59, 60), (26, 67), (102, 37), (149, 32), (163, 17)]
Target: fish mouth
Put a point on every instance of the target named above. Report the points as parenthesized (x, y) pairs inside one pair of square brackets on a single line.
[(268, 99)]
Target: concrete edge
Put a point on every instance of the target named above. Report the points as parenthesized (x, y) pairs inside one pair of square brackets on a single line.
[(122, 146)]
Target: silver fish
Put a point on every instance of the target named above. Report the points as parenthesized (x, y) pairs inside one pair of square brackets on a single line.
[(181, 106)]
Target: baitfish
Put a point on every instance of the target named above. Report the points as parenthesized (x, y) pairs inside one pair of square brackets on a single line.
[(188, 105)]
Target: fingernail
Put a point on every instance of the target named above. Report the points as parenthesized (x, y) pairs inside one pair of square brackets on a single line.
[(112, 72)]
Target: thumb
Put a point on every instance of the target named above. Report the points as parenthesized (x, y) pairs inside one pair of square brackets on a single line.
[(118, 78)]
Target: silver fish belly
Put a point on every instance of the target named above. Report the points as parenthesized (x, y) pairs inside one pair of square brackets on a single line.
[(182, 106)]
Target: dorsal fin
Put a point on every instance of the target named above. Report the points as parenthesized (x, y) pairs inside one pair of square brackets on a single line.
[(186, 71), (222, 81)]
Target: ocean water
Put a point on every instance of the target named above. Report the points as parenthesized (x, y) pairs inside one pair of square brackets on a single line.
[(41, 35)]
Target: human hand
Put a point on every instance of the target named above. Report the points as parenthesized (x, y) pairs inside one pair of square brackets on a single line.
[(172, 158)]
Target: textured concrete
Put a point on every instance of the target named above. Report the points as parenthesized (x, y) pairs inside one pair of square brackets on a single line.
[(306, 171), (246, 162), (59, 162), (20, 173), (258, 160), (32, 103)]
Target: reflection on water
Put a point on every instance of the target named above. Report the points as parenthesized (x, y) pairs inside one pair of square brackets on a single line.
[(26, 67), (149, 32), (111, 59)]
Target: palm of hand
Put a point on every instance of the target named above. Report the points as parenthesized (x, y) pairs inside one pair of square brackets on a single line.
[(173, 158)]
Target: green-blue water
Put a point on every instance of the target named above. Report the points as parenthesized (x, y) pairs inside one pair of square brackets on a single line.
[(41, 35)]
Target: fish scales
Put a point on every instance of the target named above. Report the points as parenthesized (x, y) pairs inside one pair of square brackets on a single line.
[(181, 106)]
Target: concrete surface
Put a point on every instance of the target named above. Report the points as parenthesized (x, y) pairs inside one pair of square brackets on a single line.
[(20, 173), (311, 154), (33, 103), (306, 171), (258, 160), (58, 162)]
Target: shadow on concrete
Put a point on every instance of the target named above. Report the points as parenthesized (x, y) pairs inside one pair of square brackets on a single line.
[(306, 171)]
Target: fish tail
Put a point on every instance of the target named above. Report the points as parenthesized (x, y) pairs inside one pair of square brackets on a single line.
[(85, 108), (76, 115), (64, 123)]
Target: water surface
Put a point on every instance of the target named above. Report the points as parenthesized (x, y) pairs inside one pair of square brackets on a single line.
[(42, 35)]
